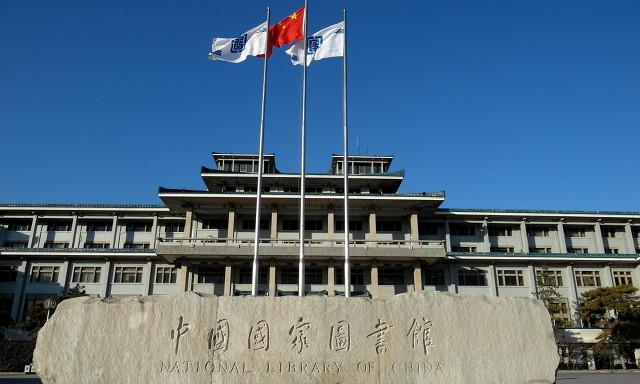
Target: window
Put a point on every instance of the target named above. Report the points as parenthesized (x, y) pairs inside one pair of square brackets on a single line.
[(429, 229), (614, 251), (578, 250), (510, 278), (313, 225), (31, 302), (622, 278), (391, 276), (539, 231), (128, 275), (6, 302), (174, 227), (19, 226), (139, 226), (289, 275), (502, 249), (434, 277), (137, 245), (472, 277), (388, 226), (588, 278), (99, 226), (354, 226), (313, 275), (291, 189), (609, 232), (465, 249), (559, 309), (86, 275), (8, 273), (636, 233), (165, 275), (357, 276), (290, 225), (214, 224), (250, 224), (90, 244), (15, 244), (541, 250), (500, 230), (246, 275), (313, 189), (462, 230), (56, 245), (251, 189), (549, 277), (211, 275), (59, 226), (576, 232), (44, 274)]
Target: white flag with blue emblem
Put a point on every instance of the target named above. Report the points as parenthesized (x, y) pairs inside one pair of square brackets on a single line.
[(236, 50), (328, 42)]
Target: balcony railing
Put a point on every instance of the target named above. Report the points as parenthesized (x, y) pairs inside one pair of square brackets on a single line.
[(208, 241)]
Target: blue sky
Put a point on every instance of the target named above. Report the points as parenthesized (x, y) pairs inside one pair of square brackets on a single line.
[(503, 104)]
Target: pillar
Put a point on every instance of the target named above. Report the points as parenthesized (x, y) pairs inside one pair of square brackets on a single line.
[(74, 229), (331, 280), (447, 236), (183, 278), (599, 241), (227, 280), (32, 234), (534, 281), (374, 280), (453, 287), (331, 225), (573, 295), (154, 232), (485, 235), (417, 278), (274, 224), (628, 237), (18, 296), (272, 280), (607, 279), (188, 224), (63, 276), (148, 273), (413, 223), (105, 279), (524, 236), (562, 241), (493, 280), (231, 225), (372, 226), (114, 232)]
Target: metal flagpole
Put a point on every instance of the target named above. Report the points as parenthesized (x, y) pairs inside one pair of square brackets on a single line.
[(303, 145), (256, 243), (345, 161)]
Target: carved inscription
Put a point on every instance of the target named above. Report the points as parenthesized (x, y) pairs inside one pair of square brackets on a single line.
[(179, 332), (218, 338), (420, 334), (380, 334), (259, 336), (340, 339), (298, 333)]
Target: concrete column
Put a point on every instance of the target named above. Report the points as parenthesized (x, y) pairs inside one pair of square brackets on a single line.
[(154, 231), (493, 280), (629, 240), (274, 224), (18, 296), (227, 280), (573, 295), (372, 226), (607, 279), (149, 275), (74, 229), (453, 287), (188, 224), (183, 278), (331, 280), (562, 241), (485, 236), (231, 225), (63, 275), (413, 223), (331, 225), (599, 241), (524, 236), (534, 281), (114, 232), (272, 280), (417, 278), (374, 280), (105, 279), (32, 234), (447, 236)]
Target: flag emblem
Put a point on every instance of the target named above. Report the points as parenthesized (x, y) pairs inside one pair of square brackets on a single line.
[(237, 45), (313, 44)]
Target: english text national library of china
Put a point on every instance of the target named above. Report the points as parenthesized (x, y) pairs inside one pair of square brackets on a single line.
[(202, 241)]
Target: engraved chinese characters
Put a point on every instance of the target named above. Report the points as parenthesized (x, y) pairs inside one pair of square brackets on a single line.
[(179, 332), (259, 336), (219, 340), (340, 336), (420, 334), (298, 333), (380, 333)]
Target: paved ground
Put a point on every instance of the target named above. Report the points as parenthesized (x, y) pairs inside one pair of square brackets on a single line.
[(563, 378)]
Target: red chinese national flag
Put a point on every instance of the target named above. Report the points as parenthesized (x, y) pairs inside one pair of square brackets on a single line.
[(286, 31)]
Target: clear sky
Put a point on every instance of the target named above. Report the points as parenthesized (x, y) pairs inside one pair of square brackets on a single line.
[(503, 104)]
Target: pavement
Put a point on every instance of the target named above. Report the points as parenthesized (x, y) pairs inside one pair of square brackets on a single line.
[(564, 377)]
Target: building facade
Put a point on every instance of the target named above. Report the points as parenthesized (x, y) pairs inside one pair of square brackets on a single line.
[(202, 241)]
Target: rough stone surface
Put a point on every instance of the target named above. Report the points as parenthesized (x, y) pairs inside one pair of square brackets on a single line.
[(410, 338)]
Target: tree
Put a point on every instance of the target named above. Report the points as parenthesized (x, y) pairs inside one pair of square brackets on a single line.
[(547, 291), (37, 316), (617, 311)]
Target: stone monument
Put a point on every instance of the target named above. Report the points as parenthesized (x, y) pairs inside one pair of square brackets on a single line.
[(189, 338)]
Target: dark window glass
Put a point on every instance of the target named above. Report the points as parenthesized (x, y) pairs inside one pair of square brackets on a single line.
[(211, 275), (434, 277), (357, 276), (391, 276), (215, 224), (472, 277), (99, 226), (388, 226), (429, 229), (462, 229)]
